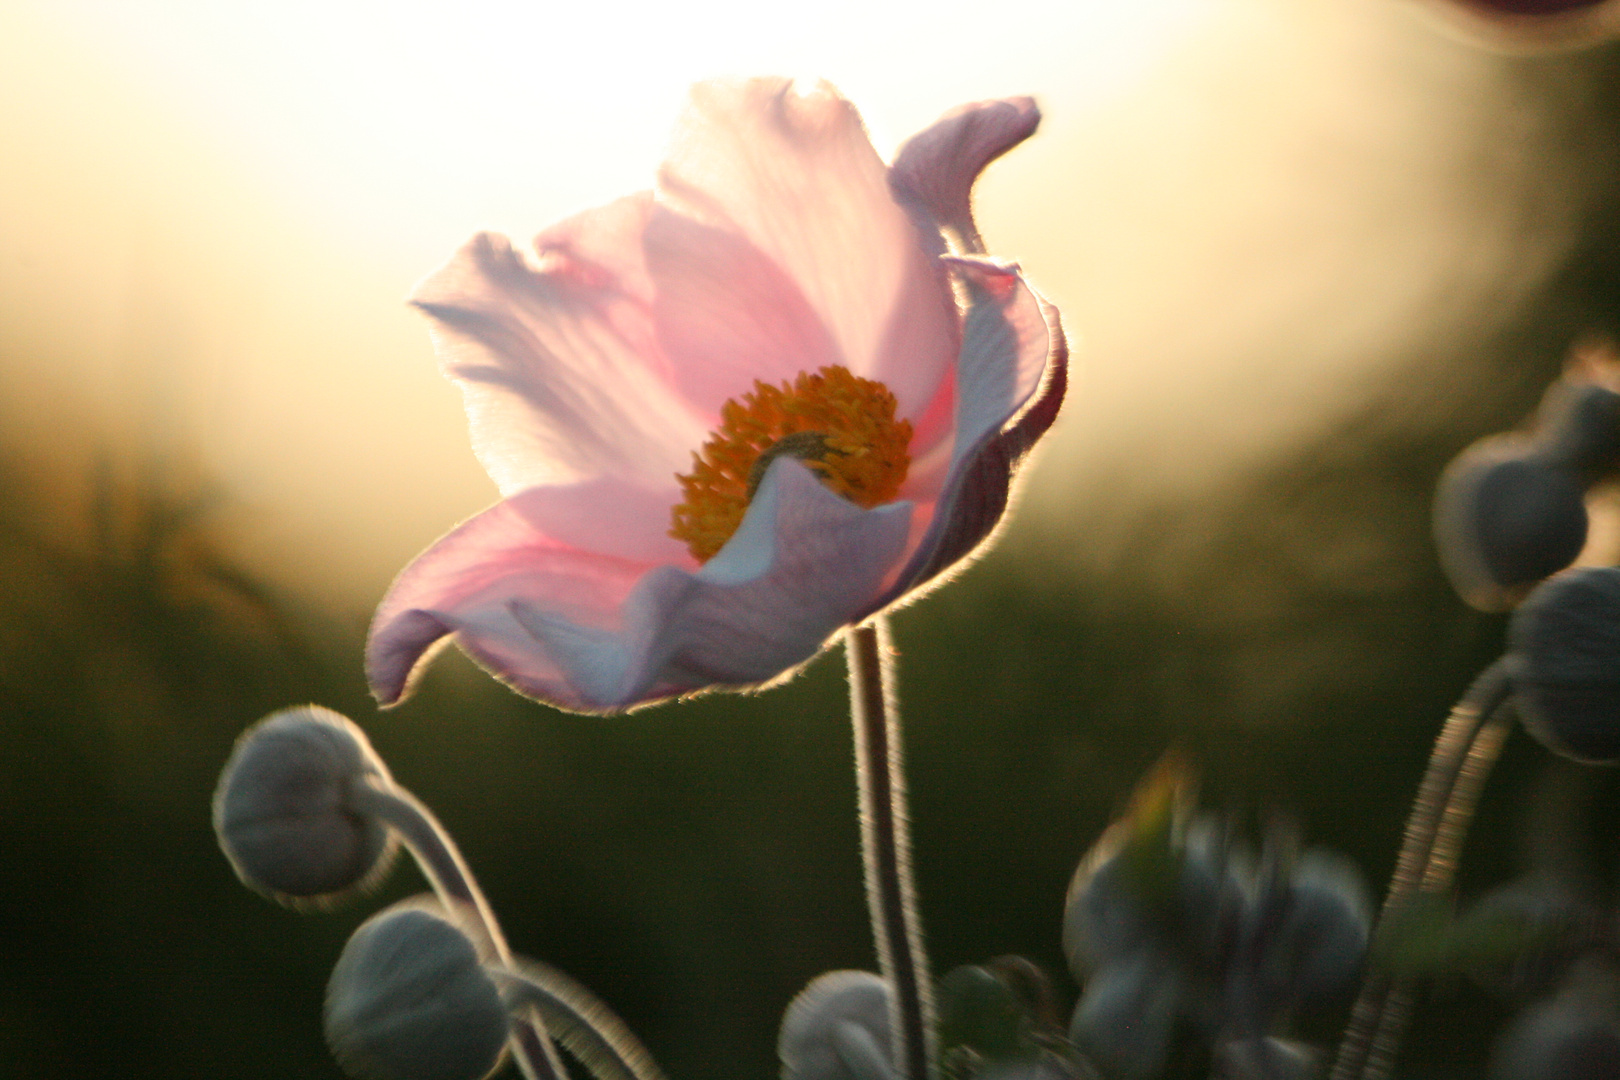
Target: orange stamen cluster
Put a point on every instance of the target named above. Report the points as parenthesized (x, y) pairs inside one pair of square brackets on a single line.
[(840, 425)]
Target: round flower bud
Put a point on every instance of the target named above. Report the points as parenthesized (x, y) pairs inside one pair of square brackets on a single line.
[(1318, 945), (410, 1000), (282, 810), (1580, 428), (1127, 1014), (978, 1010), (1564, 663), (1504, 518), (838, 1029)]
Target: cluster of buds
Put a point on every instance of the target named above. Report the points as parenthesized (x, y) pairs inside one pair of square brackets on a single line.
[(1510, 520), (427, 989), (1172, 927)]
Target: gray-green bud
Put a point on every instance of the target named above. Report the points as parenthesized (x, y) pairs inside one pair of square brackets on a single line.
[(838, 1029), (409, 999), (284, 810)]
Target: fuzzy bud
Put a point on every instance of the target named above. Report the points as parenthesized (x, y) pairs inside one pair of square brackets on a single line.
[(1319, 944), (1505, 518), (410, 1000), (1125, 1019), (838, 1029), (283, 808), (1579, 427), (1564, 663)]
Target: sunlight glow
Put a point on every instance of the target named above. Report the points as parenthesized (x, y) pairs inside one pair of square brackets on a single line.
[(1249, 211), (510, 113), (210, 213)]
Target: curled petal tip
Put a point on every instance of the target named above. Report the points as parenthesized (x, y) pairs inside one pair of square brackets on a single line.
[(935, 170)]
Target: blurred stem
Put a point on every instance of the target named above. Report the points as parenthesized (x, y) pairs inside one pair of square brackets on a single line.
[(441, 863), (886, 847), (1438, 876), (1445, 801)]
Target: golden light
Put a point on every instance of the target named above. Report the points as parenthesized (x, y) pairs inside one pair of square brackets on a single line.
[(210, 213)]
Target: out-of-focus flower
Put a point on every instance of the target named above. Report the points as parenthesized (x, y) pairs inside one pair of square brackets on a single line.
[(1564, 663), (1168, 922), (1511, 511), (1527, 25), (732, 415)]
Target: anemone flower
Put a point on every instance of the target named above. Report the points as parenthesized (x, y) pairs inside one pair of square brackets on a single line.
[(733, 415)]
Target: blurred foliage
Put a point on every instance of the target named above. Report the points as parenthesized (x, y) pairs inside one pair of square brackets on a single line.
[(694, 864)]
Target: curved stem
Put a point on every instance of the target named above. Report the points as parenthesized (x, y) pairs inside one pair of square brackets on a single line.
[(441, 863), (585, 1026), (1439, 874), (886, 847), (1488, 691)]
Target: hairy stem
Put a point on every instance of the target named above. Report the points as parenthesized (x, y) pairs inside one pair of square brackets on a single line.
[(1434, 798), (886, 847), (1439, 874)]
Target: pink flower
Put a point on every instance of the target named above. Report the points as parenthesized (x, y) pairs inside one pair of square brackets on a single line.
[(1535, 24), (780, 285)]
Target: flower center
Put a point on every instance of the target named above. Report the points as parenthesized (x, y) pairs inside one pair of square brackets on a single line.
[(840, 425)]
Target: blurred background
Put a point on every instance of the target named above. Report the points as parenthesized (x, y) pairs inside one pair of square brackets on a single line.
[(1308, 250)]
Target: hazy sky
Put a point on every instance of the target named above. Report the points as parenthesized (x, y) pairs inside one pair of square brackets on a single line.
[(210, 215)]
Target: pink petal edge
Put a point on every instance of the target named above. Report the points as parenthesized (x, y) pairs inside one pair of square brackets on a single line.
[(1013, 335), (803, 564)]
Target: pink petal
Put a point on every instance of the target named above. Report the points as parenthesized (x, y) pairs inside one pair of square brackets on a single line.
[(936, 168), (1013, 375), (796, 176), (559, 366), (582, 547), (589, 632), (726, 314)]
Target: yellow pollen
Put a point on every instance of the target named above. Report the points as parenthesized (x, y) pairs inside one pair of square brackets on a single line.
[(840, 425)]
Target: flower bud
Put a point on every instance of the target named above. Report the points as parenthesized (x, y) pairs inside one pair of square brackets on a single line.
[(1504, 518), (1579, 427), (1318, 945), (410, 1000), (838, 1029), (282, 810), (1128, 1012), (1564, 663)]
